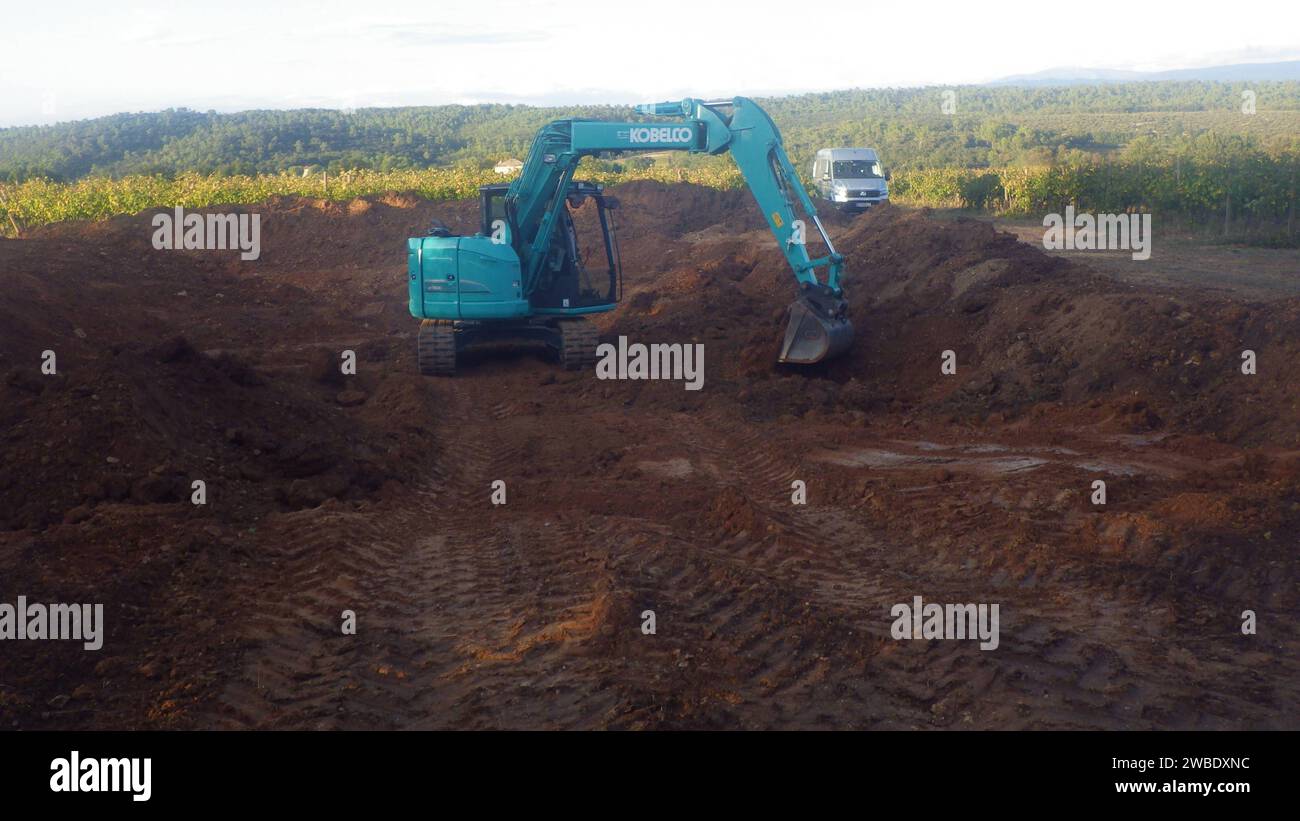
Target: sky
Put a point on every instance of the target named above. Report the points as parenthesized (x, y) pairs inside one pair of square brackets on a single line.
[(72, 59)]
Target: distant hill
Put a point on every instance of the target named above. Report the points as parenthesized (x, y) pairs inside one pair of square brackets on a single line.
[(912, 127), (1239, 72)]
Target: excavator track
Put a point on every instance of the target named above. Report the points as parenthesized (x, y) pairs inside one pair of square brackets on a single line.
[(578, 340), (436, 347)]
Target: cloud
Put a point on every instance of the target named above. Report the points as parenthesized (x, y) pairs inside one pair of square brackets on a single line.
[(416, 35), (157, 36)]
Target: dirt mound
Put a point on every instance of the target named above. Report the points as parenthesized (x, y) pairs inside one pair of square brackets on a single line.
[(295, 234), (170, 367), (674, 210), (140, 425), (1026, 329)]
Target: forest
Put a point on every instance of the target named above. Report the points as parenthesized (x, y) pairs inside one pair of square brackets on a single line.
[(963, 127)]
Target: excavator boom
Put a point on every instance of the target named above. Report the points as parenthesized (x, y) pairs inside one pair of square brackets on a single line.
[(818, 325)]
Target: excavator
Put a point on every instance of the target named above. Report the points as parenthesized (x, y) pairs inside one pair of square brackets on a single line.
[(524, 277)]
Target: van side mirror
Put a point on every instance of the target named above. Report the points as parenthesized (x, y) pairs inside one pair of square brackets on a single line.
[(888, 176)]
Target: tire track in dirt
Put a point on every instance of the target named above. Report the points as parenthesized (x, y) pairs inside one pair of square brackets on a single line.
[(524, 616), (860, 579), (815, 542), (745, 614), (451, 595), (1055, 666), (854, 576)]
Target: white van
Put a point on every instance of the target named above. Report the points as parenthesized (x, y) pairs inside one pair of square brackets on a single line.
[(852, 178)]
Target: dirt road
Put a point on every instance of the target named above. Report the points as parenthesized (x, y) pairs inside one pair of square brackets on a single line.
[(1187, 261)]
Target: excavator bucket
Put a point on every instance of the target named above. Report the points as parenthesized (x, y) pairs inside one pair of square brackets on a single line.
[(814, 332)]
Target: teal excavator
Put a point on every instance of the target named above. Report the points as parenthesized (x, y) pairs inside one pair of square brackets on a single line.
[(524, 277)]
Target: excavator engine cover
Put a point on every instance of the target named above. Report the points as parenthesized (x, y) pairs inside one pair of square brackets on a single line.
[(818, 327)]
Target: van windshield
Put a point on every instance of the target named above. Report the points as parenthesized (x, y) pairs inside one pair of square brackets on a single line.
[(855, 169)]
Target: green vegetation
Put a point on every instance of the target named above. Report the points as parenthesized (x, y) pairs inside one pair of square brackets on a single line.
[(40, 202), (995, 126), (1181, 149)]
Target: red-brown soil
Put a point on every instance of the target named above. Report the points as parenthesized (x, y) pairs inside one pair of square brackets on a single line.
[(371, 492)]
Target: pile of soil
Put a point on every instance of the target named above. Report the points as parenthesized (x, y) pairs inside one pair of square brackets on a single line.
[(1027, 329), (171, 367)]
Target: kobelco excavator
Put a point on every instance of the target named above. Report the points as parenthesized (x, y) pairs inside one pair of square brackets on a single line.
[(523, 276)]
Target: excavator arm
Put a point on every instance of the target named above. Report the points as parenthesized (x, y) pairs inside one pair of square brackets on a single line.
[(818, 325)]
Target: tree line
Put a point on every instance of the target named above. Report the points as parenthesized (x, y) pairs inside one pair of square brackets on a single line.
[(963, 127)]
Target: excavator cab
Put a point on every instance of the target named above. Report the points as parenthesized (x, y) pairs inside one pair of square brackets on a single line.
[(582, 272)]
